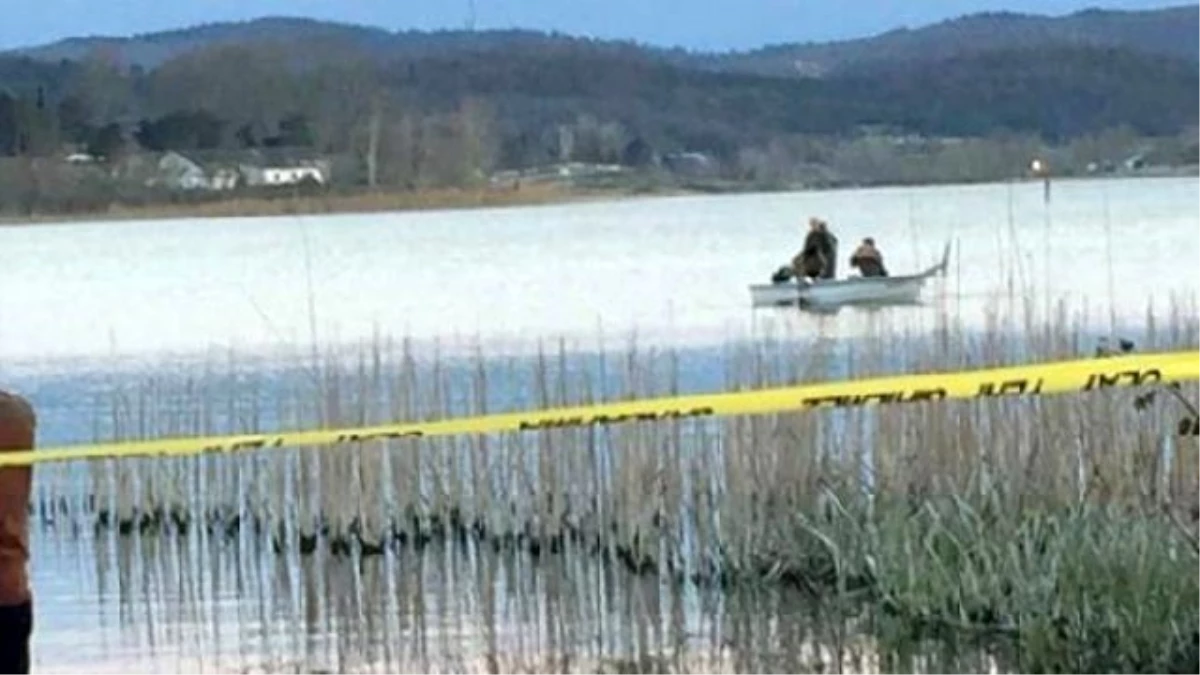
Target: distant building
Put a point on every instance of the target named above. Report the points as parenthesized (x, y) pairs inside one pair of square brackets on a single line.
[(272, 176), (276, 167), (221, 170), (180, 173)]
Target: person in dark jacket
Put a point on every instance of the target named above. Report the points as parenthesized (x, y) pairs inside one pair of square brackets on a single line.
[(828, 244), (868, 259), (818, 258)]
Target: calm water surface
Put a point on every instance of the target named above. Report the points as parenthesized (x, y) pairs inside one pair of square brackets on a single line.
[(673, 269), (87, 308)]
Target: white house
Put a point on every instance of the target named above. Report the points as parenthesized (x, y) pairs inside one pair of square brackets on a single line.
[(282, 175), (179, 172), (222, 171), (291, 175)]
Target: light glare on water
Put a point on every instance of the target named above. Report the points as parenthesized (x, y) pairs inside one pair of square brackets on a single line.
[(675, 270)]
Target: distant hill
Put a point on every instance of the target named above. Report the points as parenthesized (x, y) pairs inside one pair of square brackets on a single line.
[(529, 98), (1165, 32), (154, 49), (1059, 92)]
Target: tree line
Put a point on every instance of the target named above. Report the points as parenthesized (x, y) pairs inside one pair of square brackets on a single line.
[(454, 116)]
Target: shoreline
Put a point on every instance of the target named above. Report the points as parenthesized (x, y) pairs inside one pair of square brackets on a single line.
[(259, 206), (536, 194)]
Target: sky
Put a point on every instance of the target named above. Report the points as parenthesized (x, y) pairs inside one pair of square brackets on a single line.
[(695, 24)]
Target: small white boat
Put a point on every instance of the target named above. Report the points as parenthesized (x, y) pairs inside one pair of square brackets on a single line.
[(897, 290)]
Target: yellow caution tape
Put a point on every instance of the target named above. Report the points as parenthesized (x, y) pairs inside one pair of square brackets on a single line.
[(1082, 375)]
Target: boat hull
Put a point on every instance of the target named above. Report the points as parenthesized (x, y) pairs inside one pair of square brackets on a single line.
[(899, 290), (867, 290)]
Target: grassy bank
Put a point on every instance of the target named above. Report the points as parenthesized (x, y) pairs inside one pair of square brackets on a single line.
[(301, 202), (284, 204), (1063, 527)]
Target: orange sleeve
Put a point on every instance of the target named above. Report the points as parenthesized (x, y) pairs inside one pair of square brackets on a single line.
[(18, 424)]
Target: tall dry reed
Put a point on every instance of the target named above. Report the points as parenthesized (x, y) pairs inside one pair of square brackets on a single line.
[(1066, 523), (308, 203)]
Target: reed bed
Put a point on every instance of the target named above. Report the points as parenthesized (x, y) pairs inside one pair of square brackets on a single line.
[(179, 604), (1063, 525), (301, 202)]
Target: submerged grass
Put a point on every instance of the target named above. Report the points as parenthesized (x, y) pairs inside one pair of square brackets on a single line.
[(1062, 528)]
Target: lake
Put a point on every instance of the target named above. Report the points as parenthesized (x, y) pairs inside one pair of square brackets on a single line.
[(91, 308), (675, 269)]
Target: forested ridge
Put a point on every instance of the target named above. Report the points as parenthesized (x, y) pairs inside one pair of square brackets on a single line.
[(412, 109)]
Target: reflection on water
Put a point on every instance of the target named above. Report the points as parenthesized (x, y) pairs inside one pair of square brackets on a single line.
[(186, 604)]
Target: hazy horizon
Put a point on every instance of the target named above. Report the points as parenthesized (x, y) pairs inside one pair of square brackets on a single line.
[(716, 25)]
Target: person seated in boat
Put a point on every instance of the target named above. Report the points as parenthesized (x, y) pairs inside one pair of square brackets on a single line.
[(808, 265), (868, 259)]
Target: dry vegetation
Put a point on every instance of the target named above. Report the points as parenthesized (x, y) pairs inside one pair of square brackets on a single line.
[(284, 203), (1067, 524), (453, 610)]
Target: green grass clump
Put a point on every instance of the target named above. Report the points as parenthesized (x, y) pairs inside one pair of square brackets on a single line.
[(1074, 589)]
